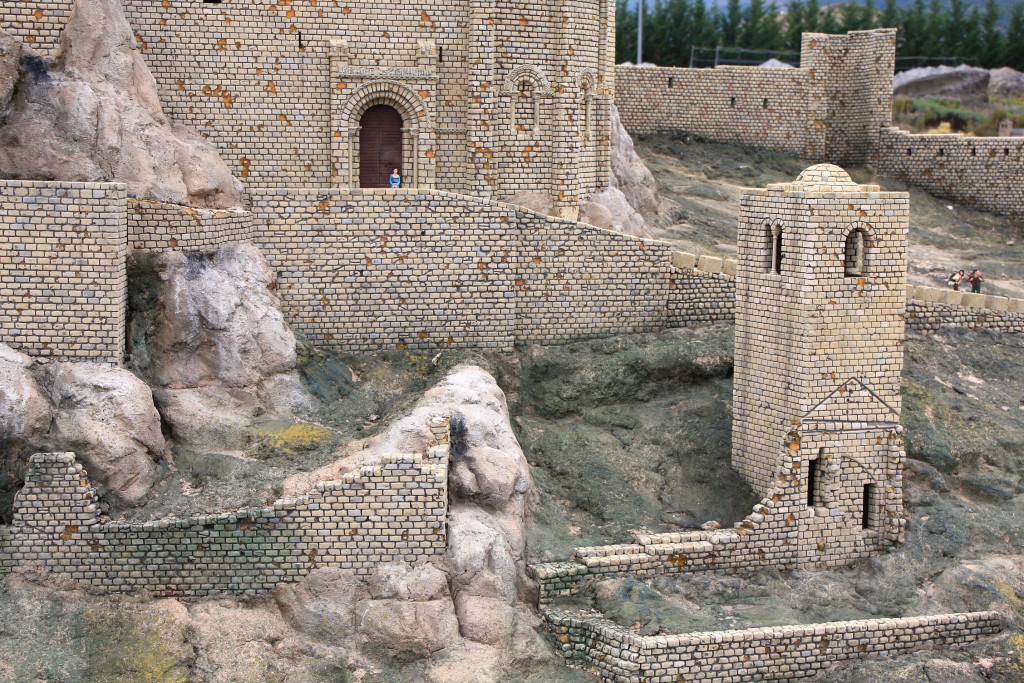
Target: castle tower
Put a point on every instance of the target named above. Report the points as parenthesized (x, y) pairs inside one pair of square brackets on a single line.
[(820, 302)]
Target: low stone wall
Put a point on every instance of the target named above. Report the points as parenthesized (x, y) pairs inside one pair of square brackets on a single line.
[(781, 653), (392, 512), (63, 286), (162, 227), (987, 173), (930, 309)]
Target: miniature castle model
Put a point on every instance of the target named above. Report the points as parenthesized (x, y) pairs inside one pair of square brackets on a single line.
[(821, 295), (477, 97)]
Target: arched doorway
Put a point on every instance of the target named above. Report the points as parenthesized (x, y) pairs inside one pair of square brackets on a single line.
[(380, 145)]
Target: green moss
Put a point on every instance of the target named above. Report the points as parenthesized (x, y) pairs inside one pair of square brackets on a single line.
[(123, 649), (286, 439)]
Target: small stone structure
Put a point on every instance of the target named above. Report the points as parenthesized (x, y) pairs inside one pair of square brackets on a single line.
[(821, 292), (395, 511)]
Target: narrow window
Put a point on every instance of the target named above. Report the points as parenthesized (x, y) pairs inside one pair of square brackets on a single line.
[(440, 55), (813, 497), (1006, 151), (942, 152), (768, 245), (211, 2), (974, 151), (777, 251), (671, 82), (870, 513), (855, 255), (765, 103), (732, 102), (910, 152)]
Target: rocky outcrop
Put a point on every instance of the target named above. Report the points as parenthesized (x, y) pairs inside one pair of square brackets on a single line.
[(107, 418), (94, 114), (629, 173), (1005, 83), (609, 209), (208, 333), (963, 83), (104, 414), (10, 64)]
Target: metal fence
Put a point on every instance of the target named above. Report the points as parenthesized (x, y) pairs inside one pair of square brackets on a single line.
[(710, 57)]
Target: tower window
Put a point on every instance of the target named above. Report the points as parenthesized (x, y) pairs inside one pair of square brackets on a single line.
[(777, 251), (855, 254), (671, 82), (732, 102), (869, 517), (764, 105), (813, 495)]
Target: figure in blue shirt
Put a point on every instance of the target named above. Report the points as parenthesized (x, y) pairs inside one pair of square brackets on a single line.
[(396, 180)]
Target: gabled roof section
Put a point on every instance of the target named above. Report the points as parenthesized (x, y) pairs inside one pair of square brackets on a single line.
[(852, 401)]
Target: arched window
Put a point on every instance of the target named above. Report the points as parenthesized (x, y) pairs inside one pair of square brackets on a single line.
[(777, 250), (855, 253)]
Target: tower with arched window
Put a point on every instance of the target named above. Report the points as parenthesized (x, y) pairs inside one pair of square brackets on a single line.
[(820, 300)]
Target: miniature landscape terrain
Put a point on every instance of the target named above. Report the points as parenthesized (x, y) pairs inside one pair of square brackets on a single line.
[(342, 433)]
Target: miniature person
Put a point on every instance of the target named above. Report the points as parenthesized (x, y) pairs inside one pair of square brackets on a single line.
[(976, 278), (395, 179), (954, 280)]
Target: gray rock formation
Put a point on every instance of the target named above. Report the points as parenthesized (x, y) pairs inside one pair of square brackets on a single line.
[(964, 83), (629, 173), (208, 333), (10, 64), (24, 410), (107, 417), (94, 114), (609, 209), (1004, 83)]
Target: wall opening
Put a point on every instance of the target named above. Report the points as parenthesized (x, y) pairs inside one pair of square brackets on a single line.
[(732, 102), (764, 105), (869, 515), (777, 251), (910, 152), (813, 496), (855, 253), (671, 82), (380, 145)]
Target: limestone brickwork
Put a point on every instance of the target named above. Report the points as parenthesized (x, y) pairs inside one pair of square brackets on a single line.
[(783, 653), (394, 511), (38, 23), (830, 108), (374, 269), (63, 285), (156, 226), (987, 173)]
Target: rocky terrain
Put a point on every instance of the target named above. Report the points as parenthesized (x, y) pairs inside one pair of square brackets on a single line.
[(700, 185)]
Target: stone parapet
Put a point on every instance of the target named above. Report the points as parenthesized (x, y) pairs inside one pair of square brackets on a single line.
[(158, 226)]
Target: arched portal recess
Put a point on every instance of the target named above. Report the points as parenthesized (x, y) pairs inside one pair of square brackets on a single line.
[(380, 145)]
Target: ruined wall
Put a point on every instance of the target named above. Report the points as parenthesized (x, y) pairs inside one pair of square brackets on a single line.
[(63, 285), (984, 172), (157, 226), (781, 653), (392, 512)]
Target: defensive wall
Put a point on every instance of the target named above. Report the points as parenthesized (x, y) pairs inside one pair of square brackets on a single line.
[(63, 285), (984, 172), (375, 269), (830, 108), (781, 653), (391, 512)]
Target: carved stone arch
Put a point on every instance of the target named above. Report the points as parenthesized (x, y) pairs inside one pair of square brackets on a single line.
[(586, 81), (541, 84), (417, 129), (858, 240)]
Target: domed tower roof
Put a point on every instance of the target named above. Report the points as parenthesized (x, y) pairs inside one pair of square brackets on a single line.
[(823, 178)]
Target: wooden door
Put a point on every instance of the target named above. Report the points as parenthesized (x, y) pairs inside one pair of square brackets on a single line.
[(380, 146)]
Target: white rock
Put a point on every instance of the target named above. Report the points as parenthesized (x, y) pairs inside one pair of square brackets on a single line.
[(629, 173), (24, 410)]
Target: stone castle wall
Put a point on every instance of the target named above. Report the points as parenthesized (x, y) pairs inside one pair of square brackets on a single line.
[(781, 653), (63, 285), (38, 24), (984, 172), (157, 226), (368, 269), (391, 512), (831, 108)]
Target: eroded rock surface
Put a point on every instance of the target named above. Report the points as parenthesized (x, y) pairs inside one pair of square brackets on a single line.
[(208, 333), (630, 174), (93, 114)]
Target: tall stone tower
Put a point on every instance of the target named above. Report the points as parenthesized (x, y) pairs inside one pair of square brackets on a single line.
[(821, 295)]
